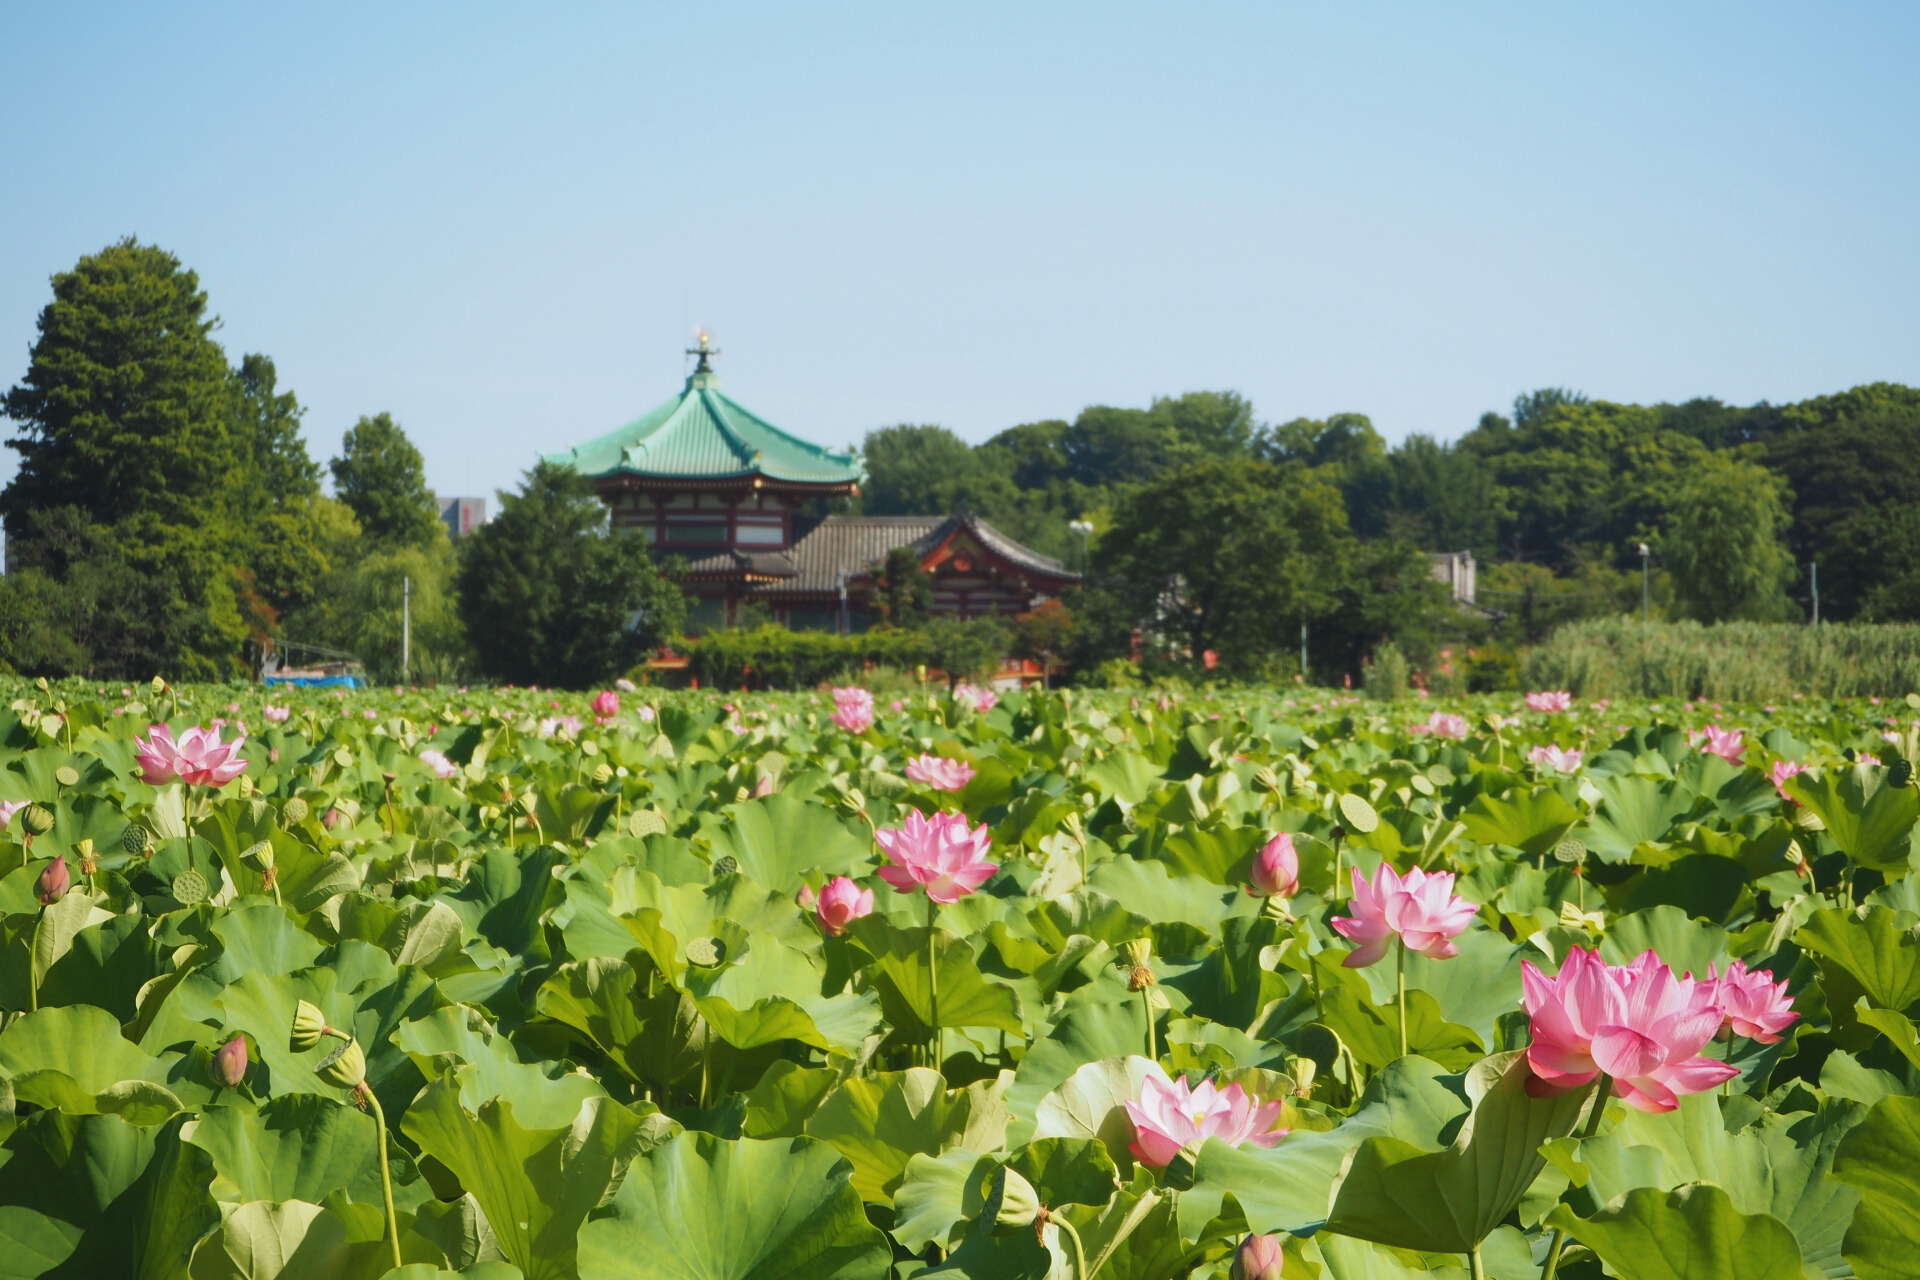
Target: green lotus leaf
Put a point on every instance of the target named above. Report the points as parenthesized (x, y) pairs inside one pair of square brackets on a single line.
[(267, 1241), (1878, 946), (786, 1094), (742, 1210), (536, 1186), (1691, 1233), (1394, 1193), (1344, 1258), (1472, 989), (296, 1147), (107, 965), (1872, 826), (1880, 1159), (879, 1122), (1373, 1031), (1528, 820), (1093, 1034), (651, 1038), (939, 1195), (967, 999), (32, 1244), (1632, 810), (70, 1058), (779, 838), (1153, 890), (540, 1100), (1683, 944), (1090, 1105)]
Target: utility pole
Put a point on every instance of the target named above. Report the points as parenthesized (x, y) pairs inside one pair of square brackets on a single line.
[(1645, 552), (845, 622), (1085, 529), (1813, 570), (406, 630), (1303, 651)]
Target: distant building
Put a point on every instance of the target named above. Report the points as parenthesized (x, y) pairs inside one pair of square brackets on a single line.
[(1456, 570), (462, 515), (703, 477)]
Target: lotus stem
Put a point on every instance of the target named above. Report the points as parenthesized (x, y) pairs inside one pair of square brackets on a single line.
[(1079, 1253), (1146, 1007), (934, 1038), (1601, 1089), (1474, 1266), (386, 1174), (1400, 955)]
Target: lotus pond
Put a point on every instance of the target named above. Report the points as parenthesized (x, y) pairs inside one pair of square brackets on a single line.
[(510, 983)]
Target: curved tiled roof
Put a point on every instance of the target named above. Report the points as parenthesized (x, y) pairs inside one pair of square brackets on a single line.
[(858, 544), (702, 435)]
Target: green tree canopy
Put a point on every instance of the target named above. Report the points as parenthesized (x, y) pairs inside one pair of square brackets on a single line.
[(551, 595), (382, 477), (1724, 547)]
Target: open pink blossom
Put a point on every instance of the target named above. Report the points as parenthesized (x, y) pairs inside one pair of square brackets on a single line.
[(8, 808), (199, 758), (1866, 758), (981, 700), (275, 715), (1559, 759), (853, 709), (1781, 771), (1442, 724), (1421, 910), (1638, 1023), (1715, 741), (1550, 701), (560, 727), (606, 705), (1169, 1116), (1276, 869), (838, 904), (939, 772), (154, 754), (441, 766), (1752, 1004), (940, 853)]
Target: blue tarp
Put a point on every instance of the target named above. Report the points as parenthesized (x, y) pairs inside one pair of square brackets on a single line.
[(315, 682)]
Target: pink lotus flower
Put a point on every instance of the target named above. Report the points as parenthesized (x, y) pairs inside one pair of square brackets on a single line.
[(230, 1062), (1753, 1004), (560, 727), (838, 904), (198, 759), (939, 772), (853, 709), (896, 705), (646, 714), (1420, 910), (1781, 771), (1715, 741), (606, 705), (1549, 756), (441, 766), (1638, 1023), (1258, 1258), (1276, 871), (942, 853), (8, 808), (981, 700), (763, 786), (1170, 1116), (1551, 702), (1864, 758), (53, 883), (1441, 724), (275, 715)]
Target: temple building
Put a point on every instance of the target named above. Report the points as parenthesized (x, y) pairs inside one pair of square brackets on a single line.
[(703, 478)]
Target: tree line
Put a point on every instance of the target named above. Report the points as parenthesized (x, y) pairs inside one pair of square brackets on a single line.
[(167, 516)]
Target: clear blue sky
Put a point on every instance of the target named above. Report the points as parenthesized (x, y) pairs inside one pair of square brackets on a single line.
[(500, 223)]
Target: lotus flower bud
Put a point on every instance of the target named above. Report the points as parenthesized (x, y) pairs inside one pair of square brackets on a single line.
[(1012, 1202), (230, 1063), (53, 883), (309, 1025), (38, 820), (1265, 779), (258, 856), (1257, 1258), (294, 810), (345, 1067)]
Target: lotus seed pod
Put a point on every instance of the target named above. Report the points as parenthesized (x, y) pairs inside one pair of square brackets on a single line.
[(345, 1067), (1900, 773), (309, 1025), (134, 839), (38, 820), (230, 1063), (67, 776), (1012, 1201), (706, 952), (294, 810), (645, 822), (1570, 850), (725, 865), (189, 888), (53, 882)]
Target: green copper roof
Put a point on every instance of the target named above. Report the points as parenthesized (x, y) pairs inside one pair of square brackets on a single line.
[(702, 435)]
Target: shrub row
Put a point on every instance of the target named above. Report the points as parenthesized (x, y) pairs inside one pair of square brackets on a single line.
[(1729, 661)]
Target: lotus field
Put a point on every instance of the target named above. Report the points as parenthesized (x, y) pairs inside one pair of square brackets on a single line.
[(510, 983)]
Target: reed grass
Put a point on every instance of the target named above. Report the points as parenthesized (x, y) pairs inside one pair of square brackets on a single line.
[(1727, 662)]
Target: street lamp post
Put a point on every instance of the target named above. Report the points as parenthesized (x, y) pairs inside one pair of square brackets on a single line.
[(1085, 529), (1645, 552)]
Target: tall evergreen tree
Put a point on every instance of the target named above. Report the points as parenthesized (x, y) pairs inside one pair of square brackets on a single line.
[(381, 476)]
